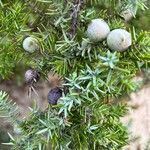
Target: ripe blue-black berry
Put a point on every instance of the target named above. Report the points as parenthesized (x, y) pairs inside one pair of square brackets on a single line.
[(54, 95), (31, 76)]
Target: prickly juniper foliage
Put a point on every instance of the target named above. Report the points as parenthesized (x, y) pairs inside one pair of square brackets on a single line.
[(88, 115)]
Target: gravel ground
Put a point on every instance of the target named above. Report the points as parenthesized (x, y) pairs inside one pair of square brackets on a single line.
[(138, 120)]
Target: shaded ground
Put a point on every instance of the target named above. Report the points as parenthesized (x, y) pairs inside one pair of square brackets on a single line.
[(19, 94)]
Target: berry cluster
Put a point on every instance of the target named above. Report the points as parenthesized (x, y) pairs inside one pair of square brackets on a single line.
[(118, 39), (97, 31)]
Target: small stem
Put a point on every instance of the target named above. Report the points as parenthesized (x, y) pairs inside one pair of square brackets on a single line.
[(74, 16)]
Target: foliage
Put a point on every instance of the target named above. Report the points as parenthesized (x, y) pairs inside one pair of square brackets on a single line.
[(87, 117), (142, 19)]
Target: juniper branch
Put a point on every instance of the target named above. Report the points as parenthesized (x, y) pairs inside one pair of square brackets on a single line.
[(41, 14), (7, 108)]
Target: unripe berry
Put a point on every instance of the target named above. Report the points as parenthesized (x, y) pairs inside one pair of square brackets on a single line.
[(97, 30), (54, 95), (127, 15), (31, 76), (30, 44), (119, 40)]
